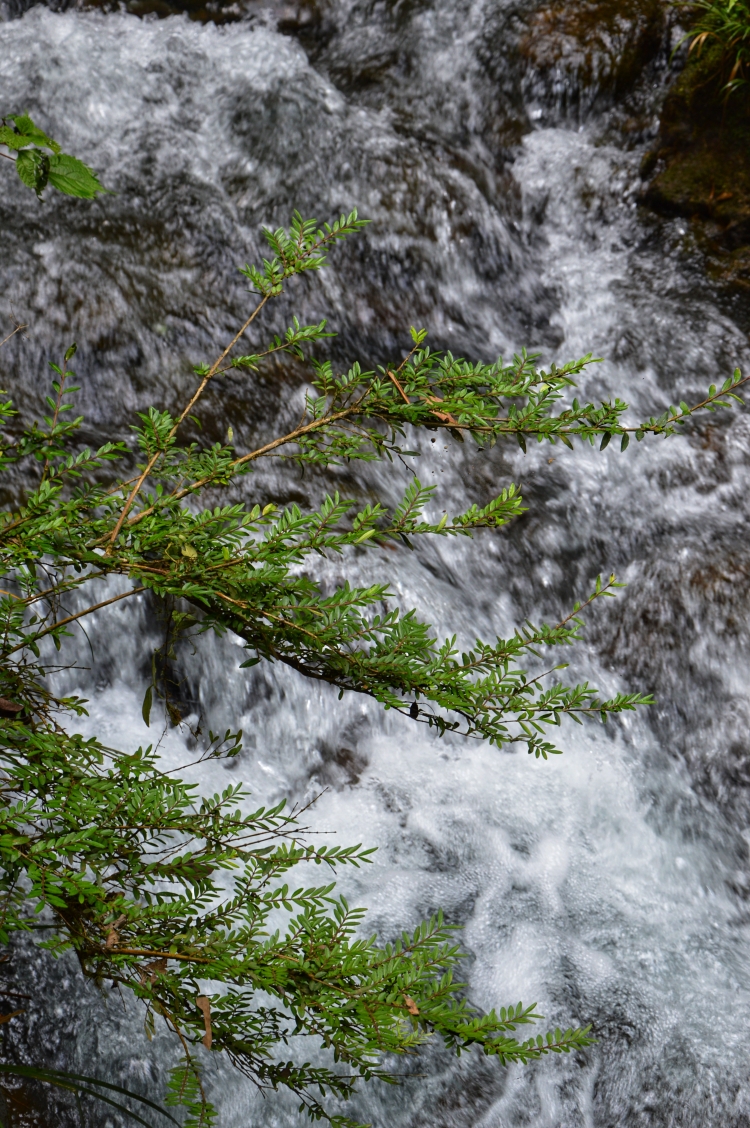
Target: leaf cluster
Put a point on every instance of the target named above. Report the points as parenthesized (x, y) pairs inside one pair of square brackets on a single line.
[(724, 25), (193, 903), (40, 161)]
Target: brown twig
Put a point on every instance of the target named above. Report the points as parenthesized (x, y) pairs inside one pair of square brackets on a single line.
[(398, 386), (78, 615), (198, 393), (18, 328)]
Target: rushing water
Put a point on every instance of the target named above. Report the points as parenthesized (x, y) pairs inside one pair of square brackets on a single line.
[(610, 885)]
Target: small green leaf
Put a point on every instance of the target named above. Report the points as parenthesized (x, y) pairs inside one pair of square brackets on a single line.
[(26, 126), (146, 709), (33, 168)]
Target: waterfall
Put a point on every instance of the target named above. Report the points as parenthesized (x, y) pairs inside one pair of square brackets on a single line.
[(611, 885)]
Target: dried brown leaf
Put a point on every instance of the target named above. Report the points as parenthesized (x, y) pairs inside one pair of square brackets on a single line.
[(151, 970), (204, 1005)]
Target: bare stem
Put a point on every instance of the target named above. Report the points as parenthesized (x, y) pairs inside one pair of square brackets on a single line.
[(198, 393), (78, 615), (18, 328)]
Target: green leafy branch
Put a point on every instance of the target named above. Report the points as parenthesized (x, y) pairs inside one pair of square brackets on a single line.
[(39, 160), (162, 891)]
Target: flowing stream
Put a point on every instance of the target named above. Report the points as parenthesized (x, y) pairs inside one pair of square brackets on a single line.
[(611, 885)]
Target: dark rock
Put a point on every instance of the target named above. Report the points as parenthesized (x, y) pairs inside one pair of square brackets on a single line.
[(601, 44), (700, 167)]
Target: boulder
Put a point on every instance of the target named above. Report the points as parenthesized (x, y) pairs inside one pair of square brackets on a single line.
[(601, 45), (700, 165)]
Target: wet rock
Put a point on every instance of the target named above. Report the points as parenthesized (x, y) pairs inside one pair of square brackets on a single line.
[(700, 166), (684, 619), (598, 45)]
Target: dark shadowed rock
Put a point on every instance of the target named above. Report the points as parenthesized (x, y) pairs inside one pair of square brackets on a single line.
[(700, 166), (599, 44)]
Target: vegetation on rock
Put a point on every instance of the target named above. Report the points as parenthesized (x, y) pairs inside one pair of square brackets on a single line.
[(723, 26), (700, 166)]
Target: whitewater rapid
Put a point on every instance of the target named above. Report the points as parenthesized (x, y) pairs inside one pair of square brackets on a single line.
[(609, 885)]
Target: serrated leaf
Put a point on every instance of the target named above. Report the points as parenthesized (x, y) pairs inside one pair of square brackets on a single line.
[(13, 140), (25, 125), (33, 169), (73, 178)]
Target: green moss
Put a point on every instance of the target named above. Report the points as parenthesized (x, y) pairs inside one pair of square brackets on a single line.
[(702, 162)]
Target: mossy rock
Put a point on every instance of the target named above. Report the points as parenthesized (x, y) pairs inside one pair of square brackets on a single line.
[(602, 44), (701, 165)]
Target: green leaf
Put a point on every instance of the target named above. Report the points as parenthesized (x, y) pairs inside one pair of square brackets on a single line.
[(146, 708), (73, 178), (31, 133), (33, 168), (12, 140)]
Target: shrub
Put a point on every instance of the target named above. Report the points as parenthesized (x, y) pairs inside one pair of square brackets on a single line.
[(159, 890)]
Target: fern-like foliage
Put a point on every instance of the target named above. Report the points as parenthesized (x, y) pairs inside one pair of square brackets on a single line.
[(162, 891)]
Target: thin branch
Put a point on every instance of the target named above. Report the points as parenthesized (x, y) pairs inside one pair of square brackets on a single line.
[(18, 328), (291, 437), (78, 615), (199, 392)]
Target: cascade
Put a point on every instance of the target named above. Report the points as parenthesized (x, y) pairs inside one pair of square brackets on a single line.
[(611, 885)]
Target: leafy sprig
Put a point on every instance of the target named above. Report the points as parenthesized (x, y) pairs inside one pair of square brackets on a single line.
[(161, 890), (39, 160)]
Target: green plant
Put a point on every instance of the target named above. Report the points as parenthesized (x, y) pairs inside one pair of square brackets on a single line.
[(81, 1085), (159, 890), (724, 24), (39, 160)]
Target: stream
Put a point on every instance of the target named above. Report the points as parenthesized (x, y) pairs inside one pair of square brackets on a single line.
[(612, 884)]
